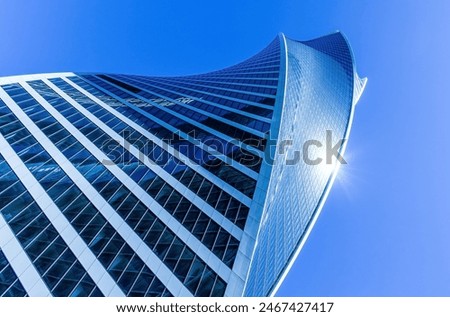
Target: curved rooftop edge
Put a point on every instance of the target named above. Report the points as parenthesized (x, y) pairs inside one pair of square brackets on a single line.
[(29, 77)]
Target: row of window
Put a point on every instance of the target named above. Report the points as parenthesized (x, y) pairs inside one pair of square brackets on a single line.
[(10, 285), (212, 80), (252, 63), (211, 108), (253, 75), (235, 87), (268, 80)]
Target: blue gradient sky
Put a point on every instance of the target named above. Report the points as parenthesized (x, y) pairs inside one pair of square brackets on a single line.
[(385, 229)]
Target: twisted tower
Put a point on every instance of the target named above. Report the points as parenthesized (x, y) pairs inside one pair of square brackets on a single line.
[(203, 185)]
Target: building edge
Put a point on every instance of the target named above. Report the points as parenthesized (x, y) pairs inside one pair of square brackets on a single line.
[(359, 85), (256, 211)]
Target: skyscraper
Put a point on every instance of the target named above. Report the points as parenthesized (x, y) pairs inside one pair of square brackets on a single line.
[(204, 185)]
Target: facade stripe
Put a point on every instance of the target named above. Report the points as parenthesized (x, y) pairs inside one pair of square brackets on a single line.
[(16, 79), (246, 72), (263, 60), (122, 228)]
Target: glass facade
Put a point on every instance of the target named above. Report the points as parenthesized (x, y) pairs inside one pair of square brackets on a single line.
[(119, 185), (319, 98)]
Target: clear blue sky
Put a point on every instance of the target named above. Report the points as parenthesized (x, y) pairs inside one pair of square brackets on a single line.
[(385, 229)]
